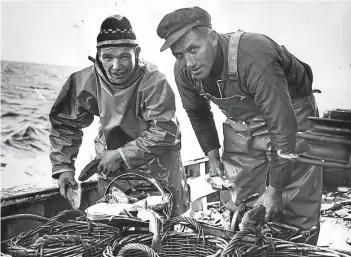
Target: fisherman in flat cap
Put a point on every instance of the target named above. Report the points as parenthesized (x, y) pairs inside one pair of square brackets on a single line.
[(266, 94), (136, 105)]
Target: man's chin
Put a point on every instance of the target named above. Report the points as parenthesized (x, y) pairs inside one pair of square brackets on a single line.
[(200, 75), (118, 81)]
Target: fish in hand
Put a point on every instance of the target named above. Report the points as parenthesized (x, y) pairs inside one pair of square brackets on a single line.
[(253, 218), (74, 196), (92, 168), (219, 183), (89, 170), (118, 139)]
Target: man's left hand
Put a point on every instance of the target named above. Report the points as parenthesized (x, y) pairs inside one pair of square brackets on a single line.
[(272, 199), (110, 163)]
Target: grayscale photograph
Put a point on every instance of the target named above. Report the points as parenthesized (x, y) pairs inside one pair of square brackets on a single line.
[(200, 128)]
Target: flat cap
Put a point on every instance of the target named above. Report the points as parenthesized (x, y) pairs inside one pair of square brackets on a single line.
[(175, 24)]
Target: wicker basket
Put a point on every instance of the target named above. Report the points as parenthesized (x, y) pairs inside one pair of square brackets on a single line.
[(251, 243), (58, 238), (285, 249), (173, 243), (240, 246), (139, 192)]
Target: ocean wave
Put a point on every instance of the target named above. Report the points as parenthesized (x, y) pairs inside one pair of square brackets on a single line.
[(27, 93), (42, 86), (5, 102), (7, 69), (9, 114), (27, 133)]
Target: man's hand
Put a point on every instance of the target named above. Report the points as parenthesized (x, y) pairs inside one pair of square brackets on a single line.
[(273, 201), (64, 179), (216, 165), (110, 163)]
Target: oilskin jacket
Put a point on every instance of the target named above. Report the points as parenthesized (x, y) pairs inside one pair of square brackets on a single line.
[(269, 78), (137, 118)]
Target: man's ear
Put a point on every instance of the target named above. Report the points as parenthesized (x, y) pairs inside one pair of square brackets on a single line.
[(214, 38), (99, 54)]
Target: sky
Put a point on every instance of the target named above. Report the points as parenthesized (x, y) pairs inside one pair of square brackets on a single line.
[(64, 32)]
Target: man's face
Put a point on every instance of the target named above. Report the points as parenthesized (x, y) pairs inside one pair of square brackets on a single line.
[(118, 62), (196, 52)]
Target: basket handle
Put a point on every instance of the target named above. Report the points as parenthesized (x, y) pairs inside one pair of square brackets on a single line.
[(29, 216), (132, 247), (238, 236), (24, 216), (131, 175), (67, 214)]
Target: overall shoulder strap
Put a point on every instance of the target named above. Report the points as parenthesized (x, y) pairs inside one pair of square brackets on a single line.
[(233, 55)]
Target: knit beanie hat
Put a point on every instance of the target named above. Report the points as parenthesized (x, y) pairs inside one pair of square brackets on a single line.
[(116, 30)]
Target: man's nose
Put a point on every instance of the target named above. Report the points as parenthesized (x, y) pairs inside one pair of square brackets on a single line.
[(115, 63), (190, 62)]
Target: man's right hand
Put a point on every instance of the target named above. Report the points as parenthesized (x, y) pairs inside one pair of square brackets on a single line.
[(216, 165), (64, 179)]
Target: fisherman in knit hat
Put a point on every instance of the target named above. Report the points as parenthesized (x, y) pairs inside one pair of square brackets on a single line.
[(136, 105), (266, 94)]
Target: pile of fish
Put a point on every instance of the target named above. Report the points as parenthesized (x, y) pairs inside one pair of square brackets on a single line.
[(212, 216), (218, 217), (221, 217), (118, 204), (337, 204)]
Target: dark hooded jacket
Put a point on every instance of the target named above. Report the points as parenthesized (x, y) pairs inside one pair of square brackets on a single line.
[(138, 119)]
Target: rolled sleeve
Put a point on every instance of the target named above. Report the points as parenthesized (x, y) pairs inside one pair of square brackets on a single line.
[(199, 112), (67, 118)]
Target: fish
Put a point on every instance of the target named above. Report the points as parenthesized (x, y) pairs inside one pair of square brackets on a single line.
[(155, 227), (216, 182), (89, 170), (219, 183), (119, 196), (153, 202), (74, 196), (117, 139), (253, 218), (101, 211)]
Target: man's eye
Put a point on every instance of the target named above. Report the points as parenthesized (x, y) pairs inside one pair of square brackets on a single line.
[(193, 50), (179, 56), (107, 58)]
